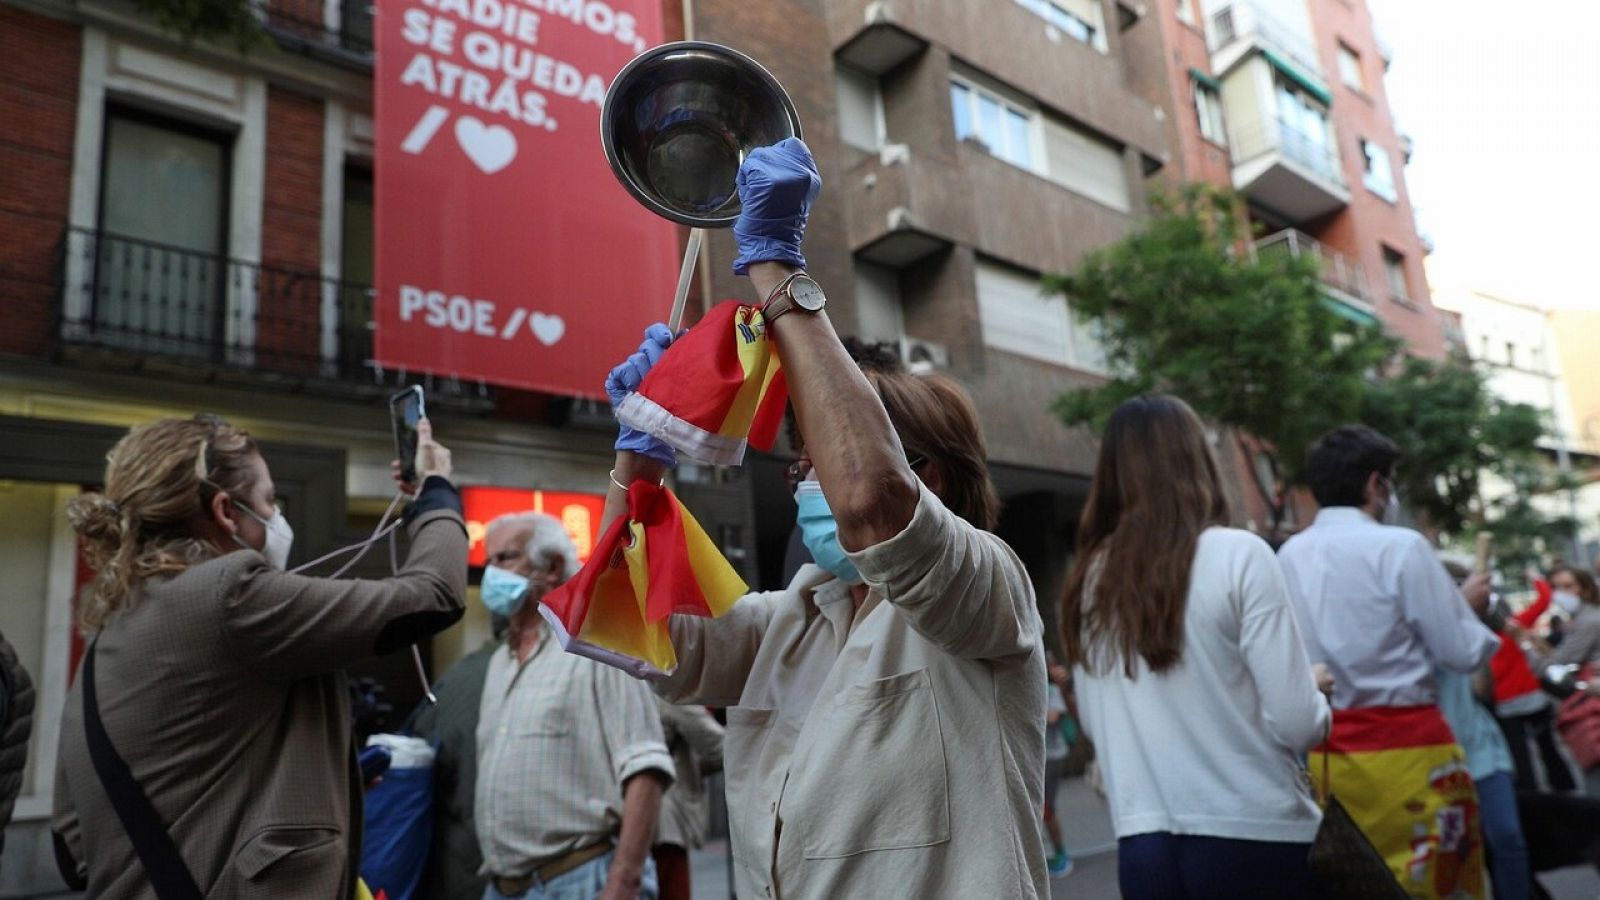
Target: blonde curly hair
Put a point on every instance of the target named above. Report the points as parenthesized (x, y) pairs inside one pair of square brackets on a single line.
[(159, 478)]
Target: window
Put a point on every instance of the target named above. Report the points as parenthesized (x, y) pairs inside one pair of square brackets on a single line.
[(860, 108), (1350, 67), (1394, 271), (1379, 177), (1186, 11), (1079, 19), (1303, 130), (1086, 163), (1511, 354), (878, 311), (1017, 318), (159, 264), (1011, 128), (1208, 106), (1005, 128)]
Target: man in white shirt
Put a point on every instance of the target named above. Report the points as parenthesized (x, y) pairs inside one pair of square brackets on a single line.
[(1378, 609)]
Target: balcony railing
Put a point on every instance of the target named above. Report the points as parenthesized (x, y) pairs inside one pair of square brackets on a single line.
[(147, 299), (1244, 20), (1272, 134), (1339, 272)]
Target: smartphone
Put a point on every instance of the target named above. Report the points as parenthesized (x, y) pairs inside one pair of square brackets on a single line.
[(406, 409)]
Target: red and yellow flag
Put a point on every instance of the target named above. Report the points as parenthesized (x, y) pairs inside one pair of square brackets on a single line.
[(1404, 780), (649, 564), (718, 388)]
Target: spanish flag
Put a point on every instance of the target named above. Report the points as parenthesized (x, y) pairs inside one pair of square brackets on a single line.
[(649, 564), (1403, 779), (717, 388)]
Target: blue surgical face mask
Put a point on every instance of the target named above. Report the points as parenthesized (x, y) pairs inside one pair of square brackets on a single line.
[(820, 533), (503, 591)]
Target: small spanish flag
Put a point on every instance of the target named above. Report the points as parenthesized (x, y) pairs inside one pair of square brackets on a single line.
[(649, 564), (717, 388)]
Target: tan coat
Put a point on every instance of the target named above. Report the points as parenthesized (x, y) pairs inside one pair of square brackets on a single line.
[(222, 689), (894, 751)]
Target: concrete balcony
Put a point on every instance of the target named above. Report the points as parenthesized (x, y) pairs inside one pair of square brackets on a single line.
[(1011, 44), (1287, 170), (905, 206), (1344, 279)]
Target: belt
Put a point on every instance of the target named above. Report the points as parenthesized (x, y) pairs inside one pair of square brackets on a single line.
[(552, 868)]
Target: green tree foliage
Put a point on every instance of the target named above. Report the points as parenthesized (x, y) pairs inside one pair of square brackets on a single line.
[(1453, 430), (232, 21), (1250, 341), (1247, 339)]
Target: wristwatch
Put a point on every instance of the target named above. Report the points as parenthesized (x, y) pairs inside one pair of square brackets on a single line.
[(798, 291)]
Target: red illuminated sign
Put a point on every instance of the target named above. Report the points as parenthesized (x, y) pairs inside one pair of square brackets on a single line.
[(579, 513)]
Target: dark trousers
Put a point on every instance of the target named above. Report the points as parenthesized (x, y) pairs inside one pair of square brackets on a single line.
[(672, 871), (1164, 866), (1540, 727)]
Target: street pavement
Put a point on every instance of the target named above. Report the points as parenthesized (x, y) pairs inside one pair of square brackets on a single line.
[(1094, 851)]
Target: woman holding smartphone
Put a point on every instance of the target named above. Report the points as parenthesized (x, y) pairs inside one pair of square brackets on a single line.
[(206, 744), (1190, 674)]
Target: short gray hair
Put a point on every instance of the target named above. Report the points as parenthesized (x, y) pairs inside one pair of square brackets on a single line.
[(547, 541)]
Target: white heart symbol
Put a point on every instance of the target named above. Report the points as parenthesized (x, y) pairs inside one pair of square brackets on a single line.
[(490, 147), (548, 329)]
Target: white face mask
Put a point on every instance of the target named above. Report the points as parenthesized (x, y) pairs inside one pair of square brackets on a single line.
[(1391, 507), (280, 536), (1567, 603)]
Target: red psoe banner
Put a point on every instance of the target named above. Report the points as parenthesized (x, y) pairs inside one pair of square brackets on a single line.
[(505, 249)]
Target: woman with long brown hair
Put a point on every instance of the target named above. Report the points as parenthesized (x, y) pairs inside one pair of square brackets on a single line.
[(1191, 677)]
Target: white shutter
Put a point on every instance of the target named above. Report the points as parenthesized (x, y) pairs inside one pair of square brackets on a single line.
[(1017, 318), (1086, 164)]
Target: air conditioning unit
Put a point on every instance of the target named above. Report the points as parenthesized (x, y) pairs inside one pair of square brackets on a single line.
[(923, 356)]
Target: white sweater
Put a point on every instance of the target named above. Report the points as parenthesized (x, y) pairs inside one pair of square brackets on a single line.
[(1211, 746)]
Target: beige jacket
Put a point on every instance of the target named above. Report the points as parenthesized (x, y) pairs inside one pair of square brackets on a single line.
[(891, 751), (222, 688)]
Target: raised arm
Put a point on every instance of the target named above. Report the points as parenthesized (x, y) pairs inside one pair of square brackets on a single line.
[(1435, 608), (961, 588), (870, 488), (288, 626)]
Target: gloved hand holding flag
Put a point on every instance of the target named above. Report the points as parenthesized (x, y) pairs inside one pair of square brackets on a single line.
[(717, 388), (649, 564)]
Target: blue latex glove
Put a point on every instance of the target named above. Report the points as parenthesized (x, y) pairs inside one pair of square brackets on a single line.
[(776, 187), (625, 379)]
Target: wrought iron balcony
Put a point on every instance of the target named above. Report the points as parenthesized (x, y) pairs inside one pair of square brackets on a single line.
[(145, 300), (1345, 279)]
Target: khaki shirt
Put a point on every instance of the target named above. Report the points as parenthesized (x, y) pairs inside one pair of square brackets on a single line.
[(894, 751)]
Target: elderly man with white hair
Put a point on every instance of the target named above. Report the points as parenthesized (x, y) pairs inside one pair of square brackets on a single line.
[(571, 760)]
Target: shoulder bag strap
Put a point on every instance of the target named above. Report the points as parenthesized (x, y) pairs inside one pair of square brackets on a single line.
[(169, 877)]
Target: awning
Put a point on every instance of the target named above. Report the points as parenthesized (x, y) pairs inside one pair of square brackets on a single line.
[(1307, 81), (1205, 79), (1345, 310)]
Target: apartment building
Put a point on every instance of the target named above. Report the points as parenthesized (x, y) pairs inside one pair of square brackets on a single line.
[(1518, 347)]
